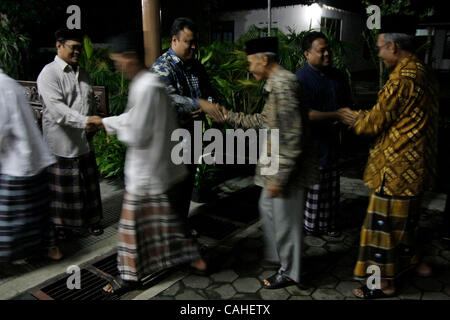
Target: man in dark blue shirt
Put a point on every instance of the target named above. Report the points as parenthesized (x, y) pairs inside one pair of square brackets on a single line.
[(189, 87), (328, 95)]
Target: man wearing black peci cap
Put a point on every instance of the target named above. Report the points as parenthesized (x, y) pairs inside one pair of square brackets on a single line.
[(67, 127), (282, 199), (401, 164)]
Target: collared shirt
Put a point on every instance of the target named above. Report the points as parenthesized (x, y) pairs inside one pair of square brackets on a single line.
[(146, 127), (284, 110), (186, 83), (68, 99), (405, 122), (325, 93), (23, 152)]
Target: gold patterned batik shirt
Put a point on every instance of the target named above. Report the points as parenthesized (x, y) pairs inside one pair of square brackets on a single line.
[(405, 123)]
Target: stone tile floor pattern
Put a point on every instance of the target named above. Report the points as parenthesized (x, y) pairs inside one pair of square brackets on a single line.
[(328, 267)]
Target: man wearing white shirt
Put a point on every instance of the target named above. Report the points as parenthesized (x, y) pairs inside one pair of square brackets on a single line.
[(24, 197), (66, 123), (152, 236)]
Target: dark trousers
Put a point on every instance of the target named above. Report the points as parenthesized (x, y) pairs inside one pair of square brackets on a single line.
[(183, 198)]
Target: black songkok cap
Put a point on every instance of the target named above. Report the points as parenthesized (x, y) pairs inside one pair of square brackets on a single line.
[(267, 44), (399, 24), (69, 34), (127, 42)]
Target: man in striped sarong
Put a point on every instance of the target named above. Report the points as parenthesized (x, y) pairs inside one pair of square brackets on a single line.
[(25, 226), (66, 123), (152, 236), (402, 163), (327, 93)]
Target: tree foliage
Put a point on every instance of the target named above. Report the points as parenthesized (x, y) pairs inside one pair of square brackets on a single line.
[(13, 47)]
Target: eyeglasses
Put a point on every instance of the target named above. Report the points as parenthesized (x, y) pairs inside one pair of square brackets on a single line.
[(384, 45), (74, 47)]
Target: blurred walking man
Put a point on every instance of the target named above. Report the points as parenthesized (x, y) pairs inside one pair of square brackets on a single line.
[(25, 224), (152, 236), (281, 202)]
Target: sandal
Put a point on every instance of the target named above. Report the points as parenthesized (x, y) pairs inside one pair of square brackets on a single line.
[(96, 230), (333, 234), (369, 294), (121, 286), (278, 281)]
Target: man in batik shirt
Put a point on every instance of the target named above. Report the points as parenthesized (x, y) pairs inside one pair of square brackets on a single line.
[(402, 163)]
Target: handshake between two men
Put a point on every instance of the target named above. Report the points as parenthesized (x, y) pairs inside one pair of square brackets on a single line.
[(219, 114), (216, 112)]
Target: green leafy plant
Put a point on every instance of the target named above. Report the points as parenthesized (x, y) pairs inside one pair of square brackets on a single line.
[(110, 155), (101, 70), (13, 48), (110, 152)]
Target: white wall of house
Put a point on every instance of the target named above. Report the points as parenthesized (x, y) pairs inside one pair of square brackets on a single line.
[(300, 18)]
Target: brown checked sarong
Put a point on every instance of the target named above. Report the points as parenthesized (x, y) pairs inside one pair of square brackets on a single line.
[(151, 237), (75, 192), (388, 236)]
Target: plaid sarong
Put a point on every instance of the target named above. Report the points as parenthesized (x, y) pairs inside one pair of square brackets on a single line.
[(322, 202), (75, 192), (151, 237), (388, 236), (25, 225)]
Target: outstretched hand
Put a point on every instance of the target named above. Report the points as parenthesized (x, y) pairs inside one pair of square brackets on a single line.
[(346, 116), (212, 110)]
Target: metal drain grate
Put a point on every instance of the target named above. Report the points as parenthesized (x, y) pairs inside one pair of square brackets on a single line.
[(93, 279), (91, 289), (108, 265)]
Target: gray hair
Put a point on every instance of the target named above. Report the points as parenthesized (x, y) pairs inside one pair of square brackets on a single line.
[(404, 41), (272, 57)]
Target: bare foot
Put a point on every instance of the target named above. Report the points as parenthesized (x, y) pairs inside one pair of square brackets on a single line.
[(108, 288), (54, 253), (424, 270), (199, 264)]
